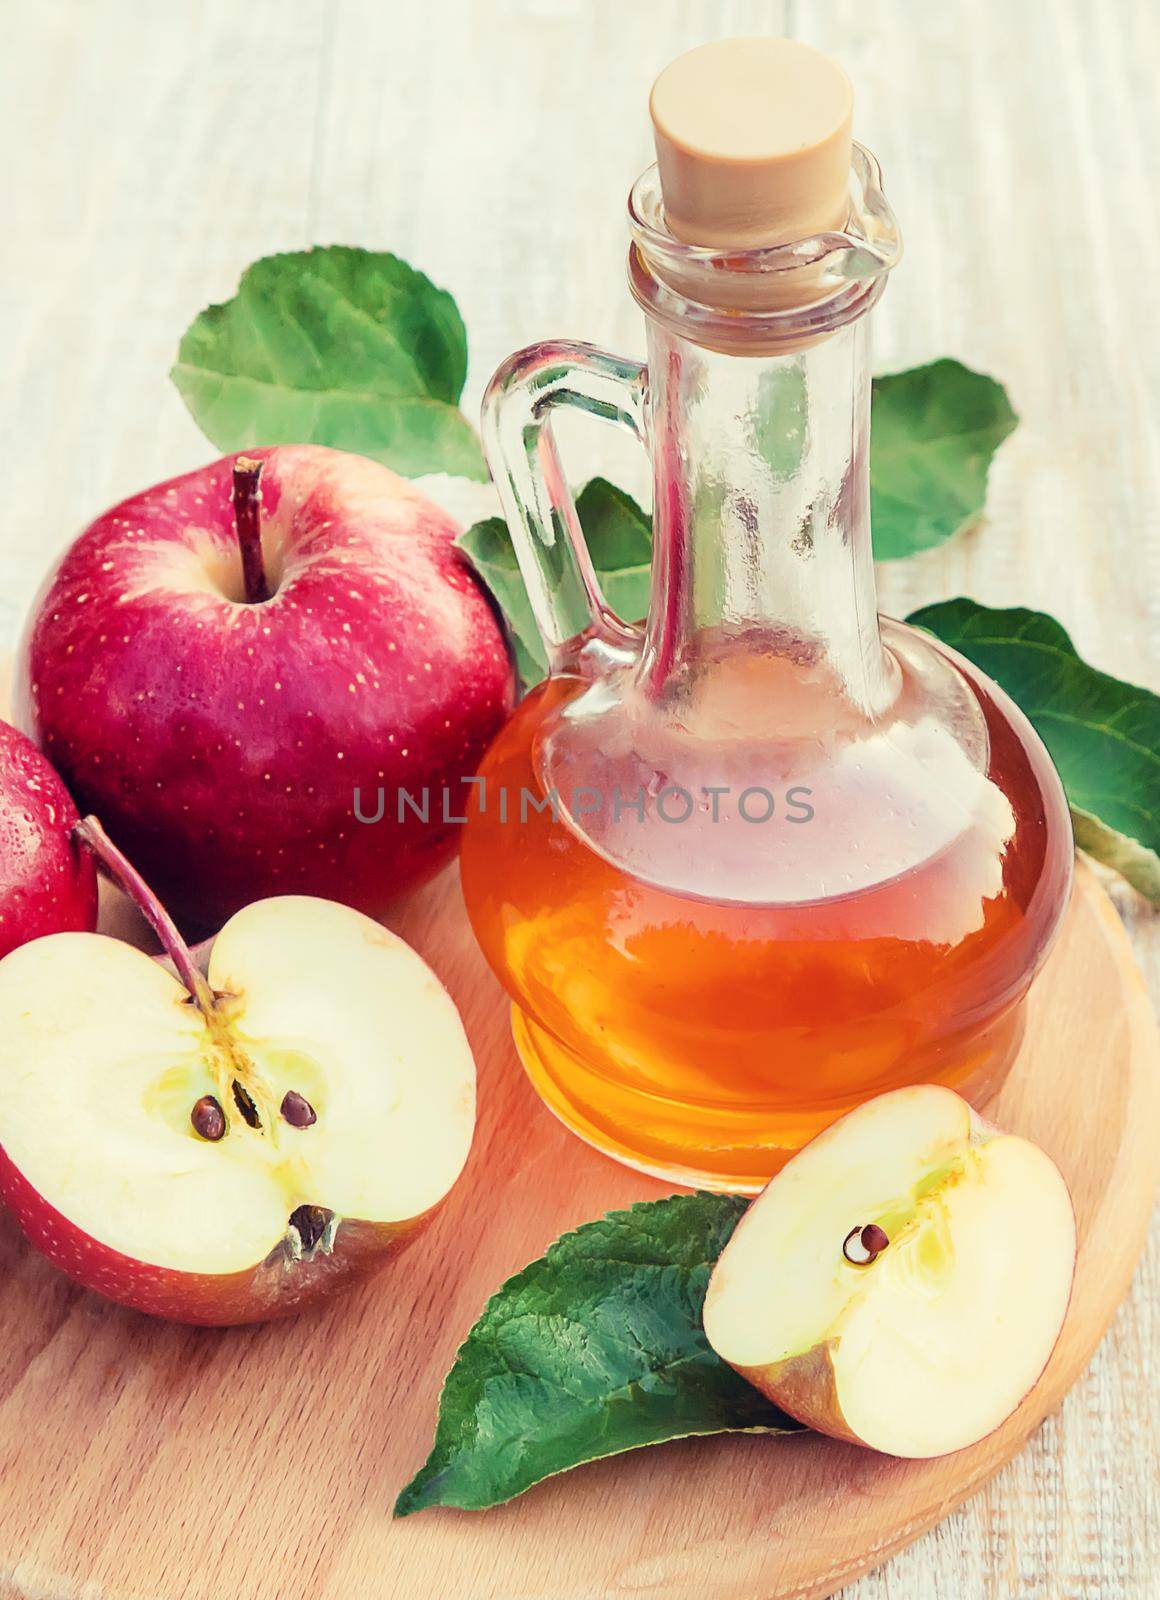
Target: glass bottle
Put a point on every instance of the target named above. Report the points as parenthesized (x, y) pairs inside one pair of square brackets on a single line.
[(765, 854)]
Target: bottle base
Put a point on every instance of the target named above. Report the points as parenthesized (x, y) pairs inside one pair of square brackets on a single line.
[(724, 1149)]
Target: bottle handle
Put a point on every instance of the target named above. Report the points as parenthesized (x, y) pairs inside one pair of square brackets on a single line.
[(518, 441)]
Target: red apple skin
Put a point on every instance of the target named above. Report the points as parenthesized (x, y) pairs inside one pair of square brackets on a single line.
[(805, 1387), (48, 883), (266, 1291), (221, 743)]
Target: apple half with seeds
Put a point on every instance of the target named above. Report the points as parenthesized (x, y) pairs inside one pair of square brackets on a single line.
[(235, 1145), (902, 1281)]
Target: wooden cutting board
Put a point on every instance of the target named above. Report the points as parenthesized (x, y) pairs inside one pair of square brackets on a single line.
[(145, 1462)]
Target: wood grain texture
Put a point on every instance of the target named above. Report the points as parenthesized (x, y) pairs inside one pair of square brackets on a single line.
[(140, 1459), (153, 150)]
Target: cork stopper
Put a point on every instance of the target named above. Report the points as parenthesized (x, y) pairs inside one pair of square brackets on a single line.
[(753, 143)]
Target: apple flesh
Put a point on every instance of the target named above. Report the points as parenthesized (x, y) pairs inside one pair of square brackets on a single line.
[(218, 664), (240, 1154), (47, 882), (902, 1282)]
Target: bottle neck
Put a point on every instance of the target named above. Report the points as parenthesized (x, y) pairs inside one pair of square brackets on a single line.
[(762, 514)]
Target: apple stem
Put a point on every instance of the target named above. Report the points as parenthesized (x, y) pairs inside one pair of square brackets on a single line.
[(248, 527), (90, 832)]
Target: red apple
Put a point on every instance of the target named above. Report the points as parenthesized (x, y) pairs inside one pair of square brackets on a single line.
[(47, 883), (902, 1282), (228, 1146), (219, 710)]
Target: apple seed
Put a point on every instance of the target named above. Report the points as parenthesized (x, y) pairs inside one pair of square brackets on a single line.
[(871, 1238), (208, 1118), (297, 1110), (246, 1106)]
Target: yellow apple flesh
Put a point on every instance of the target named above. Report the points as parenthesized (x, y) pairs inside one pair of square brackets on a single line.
[(104, 1055), (929, 1344)]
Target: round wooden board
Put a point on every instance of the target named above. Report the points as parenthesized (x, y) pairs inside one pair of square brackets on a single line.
[(141, 1460)]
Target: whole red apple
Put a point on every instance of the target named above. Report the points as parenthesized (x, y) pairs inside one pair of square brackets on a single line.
[(219, 664), (47, 883)]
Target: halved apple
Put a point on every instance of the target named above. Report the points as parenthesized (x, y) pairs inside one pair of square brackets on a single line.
[(902, 1282), (236, 1145)]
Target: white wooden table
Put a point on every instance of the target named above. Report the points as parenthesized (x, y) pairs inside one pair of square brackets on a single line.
[(154, 147)]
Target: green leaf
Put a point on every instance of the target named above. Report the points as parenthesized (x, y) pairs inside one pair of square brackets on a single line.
[(1103, 734), (594, 1349), (489, 547), (619, 537), (780, 423), (342, 347), (934, 431)]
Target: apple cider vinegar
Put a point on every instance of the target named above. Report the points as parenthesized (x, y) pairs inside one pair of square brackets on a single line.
[(764, 855), (709, 1039)]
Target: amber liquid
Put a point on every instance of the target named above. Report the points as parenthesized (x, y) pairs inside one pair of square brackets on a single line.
[(707, 1041)]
